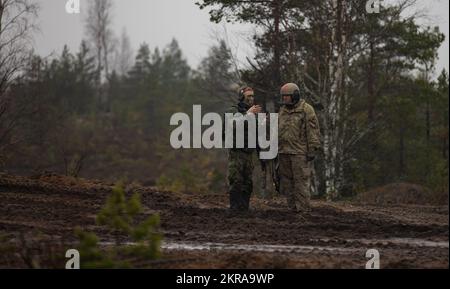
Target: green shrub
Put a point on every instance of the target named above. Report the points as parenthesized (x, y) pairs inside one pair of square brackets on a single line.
[(119, 216)]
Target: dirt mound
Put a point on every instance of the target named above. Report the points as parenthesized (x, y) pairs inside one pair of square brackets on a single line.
[(53, 183), (398, 193)]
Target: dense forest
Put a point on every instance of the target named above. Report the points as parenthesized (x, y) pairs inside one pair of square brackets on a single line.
[(103, 111)]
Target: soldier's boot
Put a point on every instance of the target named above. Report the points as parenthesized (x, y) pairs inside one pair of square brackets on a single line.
[(298, 203), (239, 201)]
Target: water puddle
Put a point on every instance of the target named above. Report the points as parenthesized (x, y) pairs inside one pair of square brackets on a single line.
[(397, 241), (356, 245), (252, 248)]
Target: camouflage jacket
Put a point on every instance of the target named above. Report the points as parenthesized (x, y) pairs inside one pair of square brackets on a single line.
[(298, 130), (240, 108)]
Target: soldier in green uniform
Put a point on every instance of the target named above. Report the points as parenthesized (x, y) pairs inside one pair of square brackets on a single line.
[(240, 160), (299, 141)]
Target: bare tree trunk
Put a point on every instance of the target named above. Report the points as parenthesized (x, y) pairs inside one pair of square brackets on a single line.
[(427, 108), (401, 152), (124, 58), (371, 83), (276, 48), (333, 129), (100, 35)]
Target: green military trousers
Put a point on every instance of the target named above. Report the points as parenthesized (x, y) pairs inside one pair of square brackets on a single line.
[(240, 183), (295, 178)]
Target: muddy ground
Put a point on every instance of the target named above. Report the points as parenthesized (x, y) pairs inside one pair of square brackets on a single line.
[(199, 231)]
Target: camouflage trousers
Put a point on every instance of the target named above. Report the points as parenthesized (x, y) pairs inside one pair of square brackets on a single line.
[(240, 183), (295, 178)]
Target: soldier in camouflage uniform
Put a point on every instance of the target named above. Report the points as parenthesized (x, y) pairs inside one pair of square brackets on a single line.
[(299, 141), (240, 160)]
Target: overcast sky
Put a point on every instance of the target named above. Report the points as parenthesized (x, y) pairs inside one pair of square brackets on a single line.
[(158, 21)]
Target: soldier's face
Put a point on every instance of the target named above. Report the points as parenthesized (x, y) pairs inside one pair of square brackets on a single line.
[(287, 98), (249, 98)]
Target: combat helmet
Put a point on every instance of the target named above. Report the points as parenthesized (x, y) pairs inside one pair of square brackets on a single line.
[(290, 89)]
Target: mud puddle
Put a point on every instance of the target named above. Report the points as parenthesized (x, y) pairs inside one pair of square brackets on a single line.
[(412, 242), (358, 245), (253, 248)]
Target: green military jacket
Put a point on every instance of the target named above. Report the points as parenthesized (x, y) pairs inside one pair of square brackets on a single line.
[(299, 130), (240, 108)]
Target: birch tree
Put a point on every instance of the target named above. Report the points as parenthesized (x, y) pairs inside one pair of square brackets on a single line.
[(100, 34), (124, 55)]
